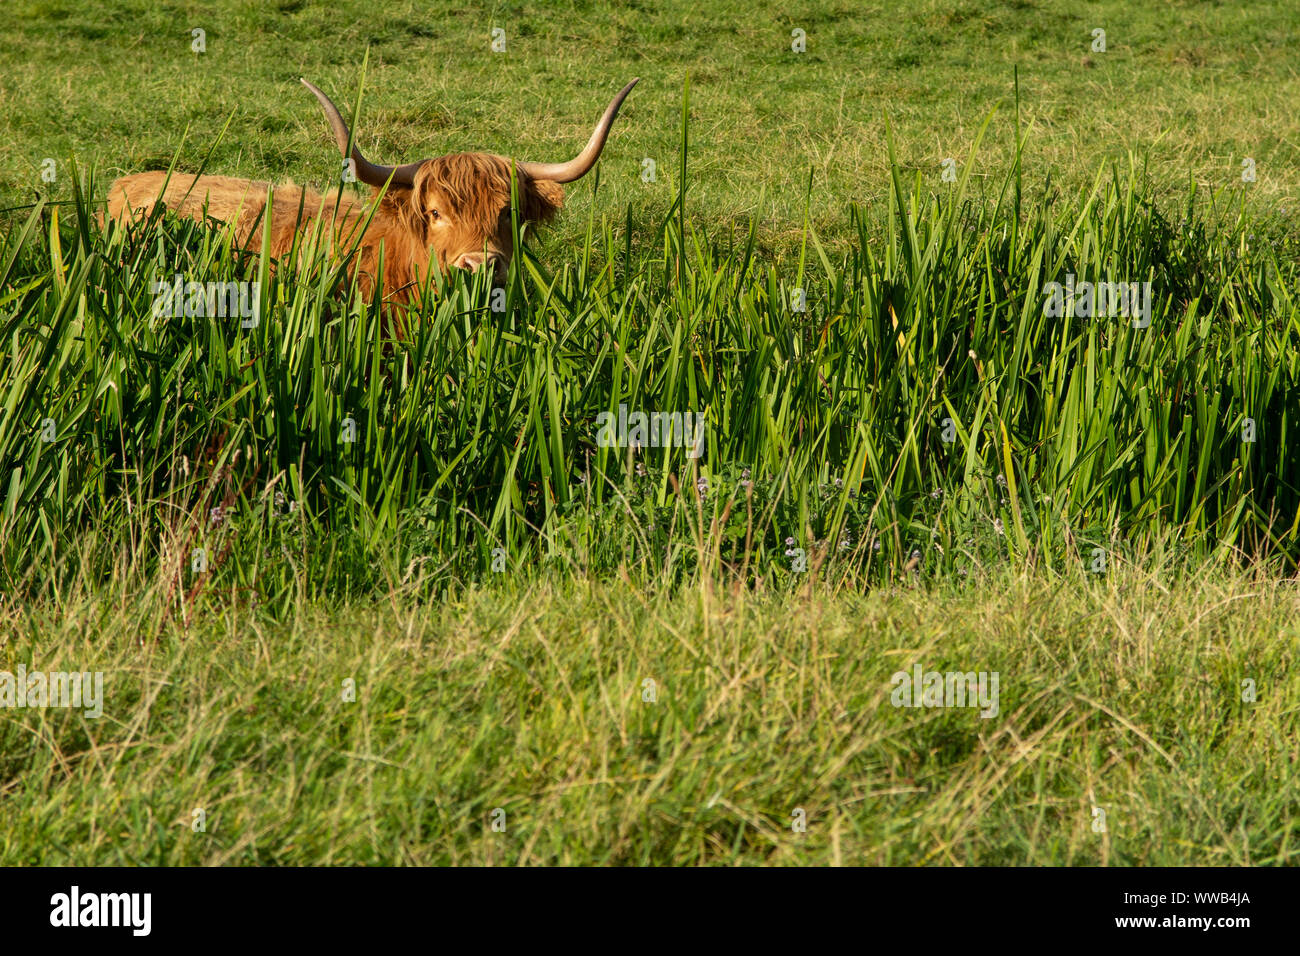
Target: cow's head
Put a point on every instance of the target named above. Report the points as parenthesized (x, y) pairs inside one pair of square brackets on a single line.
[(458, 205)]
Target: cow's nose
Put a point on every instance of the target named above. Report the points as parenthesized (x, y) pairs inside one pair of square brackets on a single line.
[(471, 261)]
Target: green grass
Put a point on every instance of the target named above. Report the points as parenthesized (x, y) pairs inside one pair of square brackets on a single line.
[(922, 407), (922, 466), (1196, 87), (1120, 696)]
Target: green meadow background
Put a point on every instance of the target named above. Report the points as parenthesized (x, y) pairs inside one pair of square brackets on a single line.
[(359, 651), (1193, 87)]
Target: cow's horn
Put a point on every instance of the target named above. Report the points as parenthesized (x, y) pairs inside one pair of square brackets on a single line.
[(368, 172), (579, 166)]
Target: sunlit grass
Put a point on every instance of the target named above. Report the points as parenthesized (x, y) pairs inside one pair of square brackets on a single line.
[(910, 403), (905, 460), (1125, 696)]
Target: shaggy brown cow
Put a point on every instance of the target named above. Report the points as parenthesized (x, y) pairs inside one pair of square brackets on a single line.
[(455, 207)]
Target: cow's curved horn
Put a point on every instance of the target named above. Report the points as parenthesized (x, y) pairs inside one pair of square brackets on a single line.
[(581, 165), (369, 173)]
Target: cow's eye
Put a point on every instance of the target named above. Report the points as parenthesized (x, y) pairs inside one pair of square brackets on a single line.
[(433, 213)]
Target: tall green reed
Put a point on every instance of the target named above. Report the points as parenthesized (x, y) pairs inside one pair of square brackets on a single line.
[(900, 405)]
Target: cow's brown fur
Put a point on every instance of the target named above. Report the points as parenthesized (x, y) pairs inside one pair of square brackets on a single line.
[(457, 212)]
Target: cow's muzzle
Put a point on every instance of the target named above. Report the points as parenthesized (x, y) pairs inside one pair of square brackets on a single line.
[(473, 261)]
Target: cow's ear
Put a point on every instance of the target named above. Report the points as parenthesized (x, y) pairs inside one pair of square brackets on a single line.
[(543, 200)]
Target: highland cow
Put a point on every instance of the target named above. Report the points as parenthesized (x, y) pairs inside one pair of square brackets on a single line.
[(454, 209)]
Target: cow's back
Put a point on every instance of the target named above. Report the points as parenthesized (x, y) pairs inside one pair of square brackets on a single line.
[(223, 198)]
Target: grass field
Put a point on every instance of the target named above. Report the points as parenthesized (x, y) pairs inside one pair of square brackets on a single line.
[(1123, 697), (353, 594), (1193, 87)]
